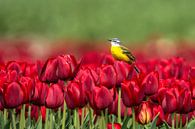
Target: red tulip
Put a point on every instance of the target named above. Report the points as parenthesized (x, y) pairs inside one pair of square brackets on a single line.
[(13, 95), (122, 71), (155, 110), (88, 78), (33, 70), (61, 67), (184, 102), (28, 87), (115, 125), (66, 66), (48, 73), (94, 59), (55, 96), (107, 60), (113, 108), (169, 102), (132, 94), (108, 76), (1, 101), (168, 119), (151, 83), (3, 78), (192, 81), (75, 95), (19, 67), (100, 98), (40, 94), (35, 112), (144, 113)]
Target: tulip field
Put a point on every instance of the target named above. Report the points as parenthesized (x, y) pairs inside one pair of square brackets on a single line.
[(95, 91)]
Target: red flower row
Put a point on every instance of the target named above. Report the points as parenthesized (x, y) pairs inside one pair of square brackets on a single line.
[(163, 86)]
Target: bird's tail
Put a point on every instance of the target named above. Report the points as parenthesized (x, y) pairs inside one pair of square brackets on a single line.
[(136, 69)]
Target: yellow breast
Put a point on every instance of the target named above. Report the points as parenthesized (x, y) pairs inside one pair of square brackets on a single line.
[(117, 53)]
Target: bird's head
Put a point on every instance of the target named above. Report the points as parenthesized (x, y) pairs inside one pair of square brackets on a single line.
[(115, 41)]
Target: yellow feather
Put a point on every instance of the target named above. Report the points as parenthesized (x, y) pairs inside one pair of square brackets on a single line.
[(118, 54)]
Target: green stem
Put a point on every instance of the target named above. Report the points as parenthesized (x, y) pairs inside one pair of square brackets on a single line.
[(173, 121), (22, 118), (177, 121), (103, 120), (51, 119), (75, 118), (112, 120), (82, 116), (4, 117), (126, 112), (180, 123), (59, 114), (187, 120), (29, 116), (64, 116), (133, 117), (119, 106), (106, 116), (78, 120), (13, 119), (46, 118), (91, 118)]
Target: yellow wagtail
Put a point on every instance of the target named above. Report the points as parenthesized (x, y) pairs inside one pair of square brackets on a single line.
[(122, 53)]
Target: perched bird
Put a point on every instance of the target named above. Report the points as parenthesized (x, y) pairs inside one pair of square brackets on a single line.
[(122, 53)]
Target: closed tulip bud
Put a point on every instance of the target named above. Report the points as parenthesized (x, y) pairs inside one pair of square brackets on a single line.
[(55, 96), (40, 94), (144, 113), (122, 71), (3, 77), (192, 75), (169, 102), (75, 95), (66, 66), (13, 95), (88, 78), (61, 67), (114, 126), (151, 83), (108, 76), (107, 60), (48, 73), (132, 94), (33, 70), (184, 102), (157, 109), (100, 98), (19, 67), (28, 87)]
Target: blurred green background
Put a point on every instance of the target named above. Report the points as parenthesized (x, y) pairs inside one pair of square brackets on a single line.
[(132, 20)]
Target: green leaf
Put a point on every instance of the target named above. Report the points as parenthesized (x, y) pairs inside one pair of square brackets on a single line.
[(7, 125), (39, 123), (191, 124), (125, 123), (86, 121), (166, 125), (153, 125), (1, 120)]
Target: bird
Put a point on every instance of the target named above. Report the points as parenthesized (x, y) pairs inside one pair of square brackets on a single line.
[(122, 53)]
